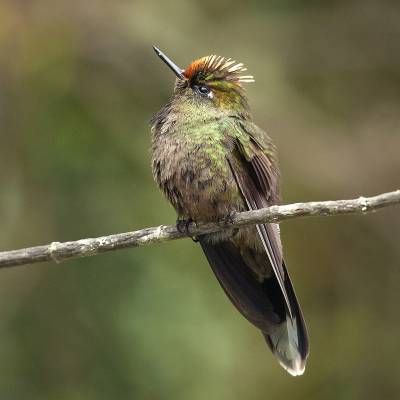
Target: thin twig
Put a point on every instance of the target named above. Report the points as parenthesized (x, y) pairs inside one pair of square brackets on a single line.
[(59, 252)]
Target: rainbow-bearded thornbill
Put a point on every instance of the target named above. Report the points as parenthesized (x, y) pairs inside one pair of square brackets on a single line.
[(211, 160)]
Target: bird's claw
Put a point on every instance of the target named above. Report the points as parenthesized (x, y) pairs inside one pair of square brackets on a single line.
[(229, 218), (183, 226)]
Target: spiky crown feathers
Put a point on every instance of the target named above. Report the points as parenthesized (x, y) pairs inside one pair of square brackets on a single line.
[(217, 68)]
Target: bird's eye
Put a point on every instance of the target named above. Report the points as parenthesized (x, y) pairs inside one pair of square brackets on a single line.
[(204, 90)]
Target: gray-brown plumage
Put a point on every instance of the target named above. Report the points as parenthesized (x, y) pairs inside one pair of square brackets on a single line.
[(211, 160)]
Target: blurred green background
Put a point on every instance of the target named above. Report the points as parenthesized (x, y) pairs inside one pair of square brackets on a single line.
[(78, 84)]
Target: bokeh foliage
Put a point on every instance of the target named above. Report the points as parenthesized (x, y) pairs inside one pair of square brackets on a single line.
[(78, 84)]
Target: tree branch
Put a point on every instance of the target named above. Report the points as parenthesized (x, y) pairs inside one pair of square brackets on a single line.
[(59, 252)]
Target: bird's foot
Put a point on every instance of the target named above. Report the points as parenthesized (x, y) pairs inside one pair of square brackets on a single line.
[(183, 226), (229, 218)]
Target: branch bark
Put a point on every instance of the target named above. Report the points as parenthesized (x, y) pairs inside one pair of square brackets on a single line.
[(59, 252)]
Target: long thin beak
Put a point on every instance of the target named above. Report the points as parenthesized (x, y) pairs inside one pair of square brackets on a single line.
[(177, 71)]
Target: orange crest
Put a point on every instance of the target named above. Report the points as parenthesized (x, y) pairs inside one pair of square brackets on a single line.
[(217, 68)]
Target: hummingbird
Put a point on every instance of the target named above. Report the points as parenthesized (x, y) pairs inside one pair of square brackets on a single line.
[(211, 161)]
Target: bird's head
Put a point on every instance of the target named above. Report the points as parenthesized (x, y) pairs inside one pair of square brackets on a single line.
[(211, 81)]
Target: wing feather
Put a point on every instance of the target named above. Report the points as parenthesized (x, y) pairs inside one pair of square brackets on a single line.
[(268, 234)]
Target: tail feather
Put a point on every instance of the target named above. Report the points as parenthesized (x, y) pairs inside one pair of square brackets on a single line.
[(289, 342), (262, 303), (284, 343)]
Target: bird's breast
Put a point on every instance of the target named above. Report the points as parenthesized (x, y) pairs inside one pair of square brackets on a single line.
[(196, 178)]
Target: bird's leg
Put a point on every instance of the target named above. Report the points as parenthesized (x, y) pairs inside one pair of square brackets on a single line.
[(183, 226), (229, 218)]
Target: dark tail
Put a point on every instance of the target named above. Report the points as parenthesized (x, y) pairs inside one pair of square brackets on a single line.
[(262, 303)]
